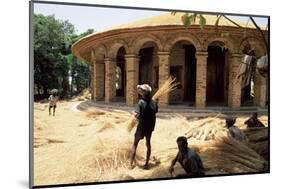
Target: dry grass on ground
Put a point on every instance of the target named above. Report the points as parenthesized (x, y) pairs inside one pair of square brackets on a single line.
[(93, 146)]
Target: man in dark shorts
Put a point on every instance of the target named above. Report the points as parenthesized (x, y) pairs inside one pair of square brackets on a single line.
[(145, 112), (188, 159), (53, 99), (254, 121)]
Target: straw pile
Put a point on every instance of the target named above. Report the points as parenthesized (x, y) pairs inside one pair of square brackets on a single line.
[(99, 145), (258, 140), (95, 112), (241, 153), (168, 86), (206, 129)]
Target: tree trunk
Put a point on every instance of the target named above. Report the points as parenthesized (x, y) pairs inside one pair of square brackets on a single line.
[(45, 91)]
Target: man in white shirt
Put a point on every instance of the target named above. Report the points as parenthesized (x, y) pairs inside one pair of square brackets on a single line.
[(53, 99)]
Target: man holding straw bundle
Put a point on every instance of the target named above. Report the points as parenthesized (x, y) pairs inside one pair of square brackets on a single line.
[(145, 112)]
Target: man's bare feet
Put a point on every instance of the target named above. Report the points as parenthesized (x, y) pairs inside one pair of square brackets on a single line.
[(145, 166), (131, 166)]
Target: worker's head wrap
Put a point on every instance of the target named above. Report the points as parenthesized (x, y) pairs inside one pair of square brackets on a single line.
[(144, 91)]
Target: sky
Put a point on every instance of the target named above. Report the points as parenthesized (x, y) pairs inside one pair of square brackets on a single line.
[(101, 18)]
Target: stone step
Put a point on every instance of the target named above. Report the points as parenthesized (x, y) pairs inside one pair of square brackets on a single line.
[(208, 111)]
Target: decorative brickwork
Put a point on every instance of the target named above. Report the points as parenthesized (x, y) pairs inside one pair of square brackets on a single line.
[(132, 68), (98, 81), (260, 90), (234, 94), (201, 78), (163, 37), (164, 72), (110, 80)]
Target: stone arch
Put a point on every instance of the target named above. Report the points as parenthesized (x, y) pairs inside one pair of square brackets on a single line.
[(228, 42), (256, 43), (137, 44), (100, 52), (115, 45), (171, 41)]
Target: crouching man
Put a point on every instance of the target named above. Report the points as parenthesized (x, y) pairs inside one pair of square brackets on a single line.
[(188, 159), (254, 121)]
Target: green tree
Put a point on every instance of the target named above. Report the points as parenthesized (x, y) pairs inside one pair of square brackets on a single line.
[(79, 70), (52, 43)]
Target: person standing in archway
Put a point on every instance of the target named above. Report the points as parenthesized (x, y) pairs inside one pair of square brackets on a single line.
[(145, 112)]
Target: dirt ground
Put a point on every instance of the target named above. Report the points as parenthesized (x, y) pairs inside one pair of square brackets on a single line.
[(94, 146)]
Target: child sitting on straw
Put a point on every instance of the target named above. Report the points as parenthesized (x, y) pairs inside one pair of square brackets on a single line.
[(145, 112), (234, 131), (188, 159)]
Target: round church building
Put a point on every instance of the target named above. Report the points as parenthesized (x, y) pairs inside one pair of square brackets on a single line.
[(204, 61)]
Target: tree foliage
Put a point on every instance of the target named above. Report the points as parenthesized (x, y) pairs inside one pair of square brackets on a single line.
[(53, 60)]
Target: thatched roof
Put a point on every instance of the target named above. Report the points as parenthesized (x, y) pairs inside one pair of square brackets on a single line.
[(169, 19)]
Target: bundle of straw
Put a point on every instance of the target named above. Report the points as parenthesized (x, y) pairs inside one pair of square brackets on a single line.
[(132, 123), (166, 88)]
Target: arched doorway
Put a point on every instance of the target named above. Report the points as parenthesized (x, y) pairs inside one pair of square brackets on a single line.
[(217, 75), (148, 65), (190, 73), (183, 68), (121, 73)]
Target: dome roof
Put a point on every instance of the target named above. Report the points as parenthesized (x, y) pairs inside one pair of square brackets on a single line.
[(166, 19), (169, 19)]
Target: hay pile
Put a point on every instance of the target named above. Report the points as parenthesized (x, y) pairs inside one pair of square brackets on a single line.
[(258, 140), (107, 158), (94, 146), (84, 95), (206, 129), (241, 153)]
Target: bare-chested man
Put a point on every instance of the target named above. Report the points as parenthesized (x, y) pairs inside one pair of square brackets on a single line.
[(188, 159), (254, 121)]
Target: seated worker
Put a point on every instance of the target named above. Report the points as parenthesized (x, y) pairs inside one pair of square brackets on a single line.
[(188, 159), (254, 121), (234, 131)]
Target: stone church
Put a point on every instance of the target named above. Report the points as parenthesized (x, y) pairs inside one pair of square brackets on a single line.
[(204, 61)]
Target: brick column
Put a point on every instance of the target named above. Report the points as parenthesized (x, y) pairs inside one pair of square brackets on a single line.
[(234, 89), (98, 80), (132, 80), (260, 90), (164, 73), (201, 78), (110, 80), (92, 79)]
